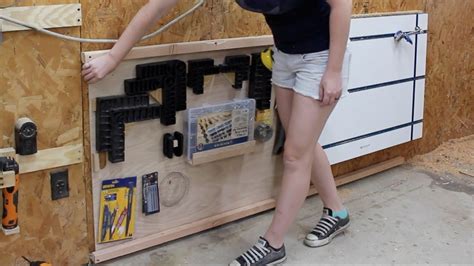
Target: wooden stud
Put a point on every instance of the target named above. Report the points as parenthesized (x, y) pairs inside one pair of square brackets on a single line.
[(7, 152), (7, 179), (364, 172), (48, 16), (385, 14), (51, 158), (187, 48)]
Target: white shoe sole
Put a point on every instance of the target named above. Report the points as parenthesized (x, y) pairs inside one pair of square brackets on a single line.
[(278, 261), (320, 243), (273, 263)]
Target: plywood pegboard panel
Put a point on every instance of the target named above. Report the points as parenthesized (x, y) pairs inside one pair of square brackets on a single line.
[(220, 186)]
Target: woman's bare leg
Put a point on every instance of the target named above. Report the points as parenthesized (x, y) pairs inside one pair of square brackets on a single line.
[(321, 173), (306, 122)]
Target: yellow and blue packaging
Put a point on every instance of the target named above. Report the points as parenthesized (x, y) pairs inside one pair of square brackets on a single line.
[(117, 209)]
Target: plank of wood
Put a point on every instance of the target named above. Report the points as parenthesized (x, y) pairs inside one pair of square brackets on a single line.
[(225, 217), (187, 48), (51, 158), (387, 14), (7, 179), (223, 153), (368, 171), (364, 172), (44, 159), (47, 16), (7, 152)]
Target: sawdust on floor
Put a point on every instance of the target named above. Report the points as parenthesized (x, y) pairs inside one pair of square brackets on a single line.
[(454, 158)]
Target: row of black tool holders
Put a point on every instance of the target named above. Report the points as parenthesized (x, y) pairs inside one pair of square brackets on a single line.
[(114, 112)]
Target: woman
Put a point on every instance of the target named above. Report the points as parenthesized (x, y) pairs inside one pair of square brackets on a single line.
[(309, 76)]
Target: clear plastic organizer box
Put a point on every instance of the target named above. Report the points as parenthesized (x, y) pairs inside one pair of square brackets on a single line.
[(220, 125)]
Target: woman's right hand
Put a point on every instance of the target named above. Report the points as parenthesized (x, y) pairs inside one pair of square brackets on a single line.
[(98, 68)]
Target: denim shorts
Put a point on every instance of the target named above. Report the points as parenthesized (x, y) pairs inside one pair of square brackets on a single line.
[(303, 72)]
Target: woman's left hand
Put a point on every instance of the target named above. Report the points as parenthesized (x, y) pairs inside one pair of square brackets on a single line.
[(330, 89)]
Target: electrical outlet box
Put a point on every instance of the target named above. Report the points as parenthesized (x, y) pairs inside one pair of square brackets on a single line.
[(59, 185)]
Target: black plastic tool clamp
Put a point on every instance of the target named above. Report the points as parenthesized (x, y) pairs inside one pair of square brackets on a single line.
[(240, 64), (197, 69), (104, 106), (142, 86), (152, 76), (260, 87), (117, 137), (173, 145)]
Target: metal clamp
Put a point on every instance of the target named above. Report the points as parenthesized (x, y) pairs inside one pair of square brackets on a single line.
[(406, 35)]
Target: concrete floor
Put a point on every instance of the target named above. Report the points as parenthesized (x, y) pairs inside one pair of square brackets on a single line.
[(403, 215)]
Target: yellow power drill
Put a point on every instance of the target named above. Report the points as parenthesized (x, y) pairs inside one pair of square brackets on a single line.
[(10, 195)]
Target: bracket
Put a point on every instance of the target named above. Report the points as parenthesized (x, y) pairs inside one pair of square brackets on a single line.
[(154, 76), (7, 179), (111, 133), (260, 84), (197, 69), (173, 144), (45, 16)]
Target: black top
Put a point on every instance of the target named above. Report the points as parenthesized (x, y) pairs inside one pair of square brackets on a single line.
[(304, 29), (269, 7)]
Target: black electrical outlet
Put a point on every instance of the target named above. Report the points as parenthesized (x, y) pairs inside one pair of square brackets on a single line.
[(59, 185)]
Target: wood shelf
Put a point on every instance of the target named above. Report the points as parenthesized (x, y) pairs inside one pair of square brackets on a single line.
[(223, 153), (45, 16), (47, 159)]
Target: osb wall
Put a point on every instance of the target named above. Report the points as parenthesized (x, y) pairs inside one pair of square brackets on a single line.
[(40, 78)]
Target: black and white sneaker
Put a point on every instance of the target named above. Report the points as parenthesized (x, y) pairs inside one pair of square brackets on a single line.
[(327, 228), (261, 254)]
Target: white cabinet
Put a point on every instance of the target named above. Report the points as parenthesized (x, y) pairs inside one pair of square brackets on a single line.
[(387, 83)]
